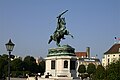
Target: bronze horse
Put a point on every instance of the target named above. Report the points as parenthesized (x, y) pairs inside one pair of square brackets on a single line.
[(58, 37)]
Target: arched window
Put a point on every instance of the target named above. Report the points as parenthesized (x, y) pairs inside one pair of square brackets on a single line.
[(65, 64)]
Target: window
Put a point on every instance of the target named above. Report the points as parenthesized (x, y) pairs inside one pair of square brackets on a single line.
[(72, 65), (113, 55), (53, 64), (65, 64), (108, 55)]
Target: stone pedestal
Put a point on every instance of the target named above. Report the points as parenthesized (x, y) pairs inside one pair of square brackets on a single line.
[(61, 62)]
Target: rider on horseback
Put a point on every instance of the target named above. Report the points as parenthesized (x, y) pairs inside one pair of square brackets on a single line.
[(60, 27), (60, 30)]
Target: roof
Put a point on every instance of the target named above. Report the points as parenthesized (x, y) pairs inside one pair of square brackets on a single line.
[(114, 49), (81, 54)]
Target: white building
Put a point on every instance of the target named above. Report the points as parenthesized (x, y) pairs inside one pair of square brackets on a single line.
[(63, 62), (85, 59), (112, 55)]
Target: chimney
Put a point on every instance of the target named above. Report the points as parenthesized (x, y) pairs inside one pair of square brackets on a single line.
[(88, 52)]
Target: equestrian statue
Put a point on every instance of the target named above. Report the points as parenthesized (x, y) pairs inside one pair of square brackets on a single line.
[(60, 30)]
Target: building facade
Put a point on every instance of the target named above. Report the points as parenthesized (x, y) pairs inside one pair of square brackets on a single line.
[(63, 62), (112, 55), (85, 59)]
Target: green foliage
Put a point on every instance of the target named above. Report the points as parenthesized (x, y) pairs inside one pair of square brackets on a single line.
[(4, 56), (17, 64), (1, 67), (20, 67), (3, 63), (81, 69), (29, 59), (91, 68), (113, 71), (42, 67), (30, 64), (16, 73), (100, 73)]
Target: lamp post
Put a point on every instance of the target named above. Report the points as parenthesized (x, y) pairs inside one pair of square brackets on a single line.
[(9, 47)]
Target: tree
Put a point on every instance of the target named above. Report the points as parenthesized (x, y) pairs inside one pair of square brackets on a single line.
[(100, 73), (42, 67), (30, 64), (3, 62), (113, 71), (17, 64), (91, 69), (16, 67), (4, 56), (82, 69), (3, 65)]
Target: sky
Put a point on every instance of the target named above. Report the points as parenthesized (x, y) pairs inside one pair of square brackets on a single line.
[(29, 23)]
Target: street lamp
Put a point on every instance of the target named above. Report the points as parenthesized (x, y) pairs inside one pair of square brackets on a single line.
[(9, 47)]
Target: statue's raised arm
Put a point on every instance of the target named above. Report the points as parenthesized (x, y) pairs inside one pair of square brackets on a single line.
[(62, 14), (61, 22)]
